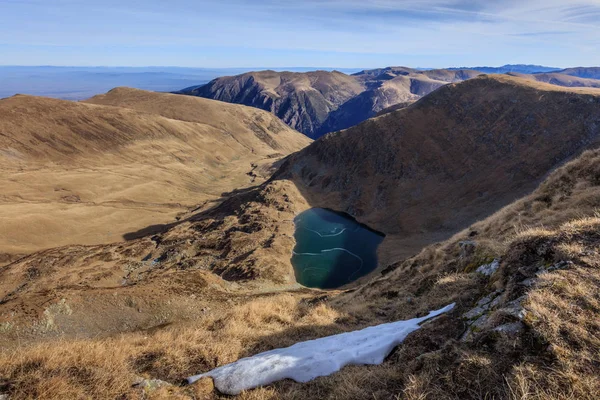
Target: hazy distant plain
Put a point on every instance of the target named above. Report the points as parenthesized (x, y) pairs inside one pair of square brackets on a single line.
[(77, 83)]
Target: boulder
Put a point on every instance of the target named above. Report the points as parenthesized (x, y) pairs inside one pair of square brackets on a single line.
[(511, 329), (489, 269)]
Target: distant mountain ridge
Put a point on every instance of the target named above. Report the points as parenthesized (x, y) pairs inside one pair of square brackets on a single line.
[(582, 72), (559, 79), (518, 68), (319, 102)]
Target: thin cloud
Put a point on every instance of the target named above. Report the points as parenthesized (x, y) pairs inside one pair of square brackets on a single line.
[(544, 33), (423, 32)]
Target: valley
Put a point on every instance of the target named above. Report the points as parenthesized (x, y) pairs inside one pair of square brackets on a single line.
[(482, 194), (299, 200), (83, 173)]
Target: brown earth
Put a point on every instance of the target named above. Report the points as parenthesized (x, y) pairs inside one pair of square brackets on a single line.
[(86, 174)]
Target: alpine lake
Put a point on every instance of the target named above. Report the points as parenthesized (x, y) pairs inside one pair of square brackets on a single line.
[(332, 249)]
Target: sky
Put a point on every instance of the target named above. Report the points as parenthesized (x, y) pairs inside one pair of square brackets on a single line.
[(286, 33)]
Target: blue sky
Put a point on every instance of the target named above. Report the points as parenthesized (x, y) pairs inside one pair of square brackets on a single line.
[(282, 33)]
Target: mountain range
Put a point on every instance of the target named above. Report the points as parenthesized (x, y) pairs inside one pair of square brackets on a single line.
[(79, 83), (316, 103), (516, 68), (486, 188)]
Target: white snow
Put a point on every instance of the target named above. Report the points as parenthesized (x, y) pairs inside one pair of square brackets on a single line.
[(308, 360)]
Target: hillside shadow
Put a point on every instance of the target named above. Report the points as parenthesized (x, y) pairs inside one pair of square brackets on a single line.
[(197, 214)]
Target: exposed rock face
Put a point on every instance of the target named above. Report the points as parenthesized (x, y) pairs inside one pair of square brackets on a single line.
[(319, 102), (150, 384), (489, 269)]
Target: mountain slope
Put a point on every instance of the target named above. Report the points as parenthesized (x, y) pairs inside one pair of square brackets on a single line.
[(319, 102), (260, 132), (84, 173), (527, 330), (560, 79), (301, 100), (451, 158), (582, 72), (513, 68)]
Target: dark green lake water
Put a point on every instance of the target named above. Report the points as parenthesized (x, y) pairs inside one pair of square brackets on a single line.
[(332, 249)]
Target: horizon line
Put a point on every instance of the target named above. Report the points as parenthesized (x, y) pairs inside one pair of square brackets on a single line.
[(280, 67)]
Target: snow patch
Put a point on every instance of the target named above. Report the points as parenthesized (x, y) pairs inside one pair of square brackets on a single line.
[(308, 360)]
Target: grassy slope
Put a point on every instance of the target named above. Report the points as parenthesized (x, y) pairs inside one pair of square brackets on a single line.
[(421, 173), (172, 315), (88, 174), (553, 356)]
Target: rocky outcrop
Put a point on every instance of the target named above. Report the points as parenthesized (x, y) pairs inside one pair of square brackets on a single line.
[(489, 269)]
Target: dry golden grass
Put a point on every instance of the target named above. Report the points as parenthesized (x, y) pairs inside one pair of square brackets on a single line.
[(77, 173), (554, 356), (102, 369)]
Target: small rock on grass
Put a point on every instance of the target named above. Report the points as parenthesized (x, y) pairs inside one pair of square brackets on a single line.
[(489, 269), (510, 329), (150, 384)]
